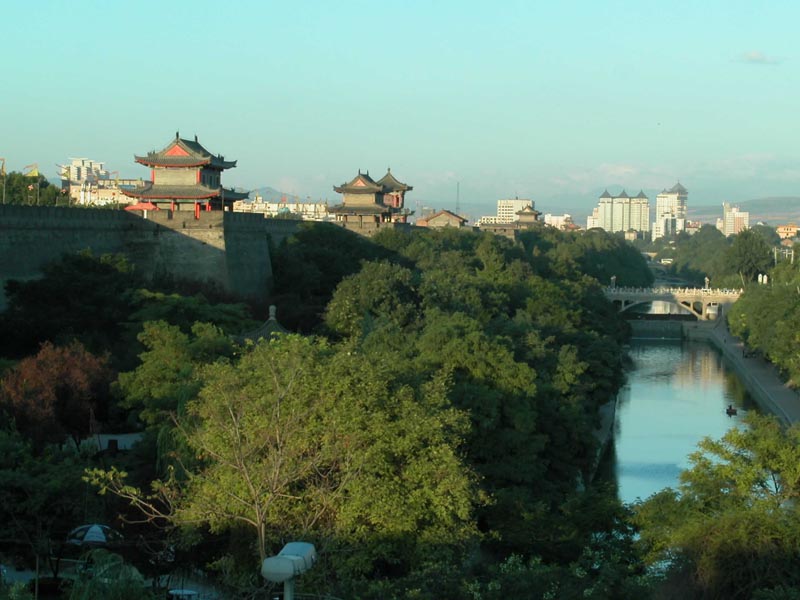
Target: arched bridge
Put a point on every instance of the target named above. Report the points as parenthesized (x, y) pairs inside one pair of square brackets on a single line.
[(703, 303)]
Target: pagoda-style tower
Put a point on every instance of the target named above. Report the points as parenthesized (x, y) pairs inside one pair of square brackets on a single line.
[(185, 175), (380, 201)]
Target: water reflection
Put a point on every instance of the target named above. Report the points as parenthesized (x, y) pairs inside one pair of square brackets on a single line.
[(676, 395)]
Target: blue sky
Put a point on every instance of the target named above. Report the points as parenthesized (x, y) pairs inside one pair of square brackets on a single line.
[(549, 100)]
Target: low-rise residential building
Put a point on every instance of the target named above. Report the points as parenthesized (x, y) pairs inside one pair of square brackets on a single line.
[(443, 218), (563, 222), (306, 211), (786, 232)]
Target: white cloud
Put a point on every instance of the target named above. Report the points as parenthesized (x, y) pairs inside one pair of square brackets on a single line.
[(755, 57)]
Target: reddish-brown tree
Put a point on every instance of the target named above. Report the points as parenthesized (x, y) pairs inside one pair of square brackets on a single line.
[(56, 393)]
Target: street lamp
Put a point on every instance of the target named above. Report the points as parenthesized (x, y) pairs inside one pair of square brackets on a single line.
[(295, 559)]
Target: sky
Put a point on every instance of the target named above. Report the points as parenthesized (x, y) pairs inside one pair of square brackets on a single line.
[(467, 101)]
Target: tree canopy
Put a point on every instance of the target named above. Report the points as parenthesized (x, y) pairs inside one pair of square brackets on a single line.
[(733, 523)]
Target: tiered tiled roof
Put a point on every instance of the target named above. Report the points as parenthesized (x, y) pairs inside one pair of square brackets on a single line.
[(183, 192), (184, 153), (390, 184), (360, 184)]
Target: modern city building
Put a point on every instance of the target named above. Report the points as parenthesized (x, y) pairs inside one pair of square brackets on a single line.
[(670, 217), (88, 182), (621, 213), (286, 208), (733, 220), (526, 218), (563, 222), (672, 202), (506, 211), (184, 176)]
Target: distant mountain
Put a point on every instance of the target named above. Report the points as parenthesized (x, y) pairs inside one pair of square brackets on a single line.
[(270, 194), (773, 211)]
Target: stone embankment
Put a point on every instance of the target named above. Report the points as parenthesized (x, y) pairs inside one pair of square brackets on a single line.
[(761, 378)]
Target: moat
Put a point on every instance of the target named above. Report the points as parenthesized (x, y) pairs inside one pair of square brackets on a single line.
[(676, 394)]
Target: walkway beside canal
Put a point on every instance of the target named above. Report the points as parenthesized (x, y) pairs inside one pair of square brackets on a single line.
[(762, 379)]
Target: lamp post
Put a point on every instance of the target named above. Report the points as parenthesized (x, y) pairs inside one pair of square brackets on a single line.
[(3, 174), (295, 559)]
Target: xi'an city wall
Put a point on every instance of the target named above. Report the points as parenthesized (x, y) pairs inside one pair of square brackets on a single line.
[(230, 249)]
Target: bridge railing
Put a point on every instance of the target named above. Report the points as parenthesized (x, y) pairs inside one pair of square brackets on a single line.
[(672, 291)]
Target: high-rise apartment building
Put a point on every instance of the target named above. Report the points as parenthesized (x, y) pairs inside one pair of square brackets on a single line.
[(621, 213), (733, 220), (670, 217)]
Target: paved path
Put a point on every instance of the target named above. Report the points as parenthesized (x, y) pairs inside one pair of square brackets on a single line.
[(761, 377)]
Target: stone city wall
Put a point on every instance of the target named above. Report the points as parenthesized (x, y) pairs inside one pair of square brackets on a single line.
[(227, 248)]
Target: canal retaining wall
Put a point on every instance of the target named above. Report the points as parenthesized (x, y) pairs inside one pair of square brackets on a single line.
[(761, 378)]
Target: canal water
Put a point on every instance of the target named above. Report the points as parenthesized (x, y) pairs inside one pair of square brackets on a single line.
[(676, 394)]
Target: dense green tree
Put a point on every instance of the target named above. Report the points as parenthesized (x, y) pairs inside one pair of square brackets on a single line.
[(767, 319), (309, 265), (297, 437), (700, 255), (42, 496), (769, 234), (79, 297), (101, 301), (22, 189), (733, 522), (167, 377), (748, 256)]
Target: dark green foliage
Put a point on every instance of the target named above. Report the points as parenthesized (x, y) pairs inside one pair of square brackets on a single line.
[(42, 496), (101, 302), (531, 354), (309, 265), (700, 255), (595, 252), (729, 262), (748, 256), (457, 406), (733, 523), (21, 189), (79, 297), (767, 319)]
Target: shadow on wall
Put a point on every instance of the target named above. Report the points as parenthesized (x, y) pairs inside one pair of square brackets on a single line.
[(229, 249)]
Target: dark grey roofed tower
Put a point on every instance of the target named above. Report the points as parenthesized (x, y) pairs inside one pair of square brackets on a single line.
[(642, 195), (623, 194), (605, 194)]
